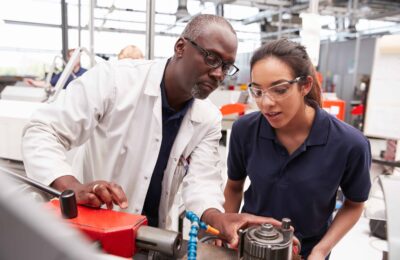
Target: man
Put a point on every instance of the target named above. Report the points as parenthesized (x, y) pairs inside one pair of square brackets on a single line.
[(76, 72), (130, 51), (146, 128)]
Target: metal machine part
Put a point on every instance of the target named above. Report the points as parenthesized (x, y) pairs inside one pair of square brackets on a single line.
[(204, 252), (266, 242), (166, 242)]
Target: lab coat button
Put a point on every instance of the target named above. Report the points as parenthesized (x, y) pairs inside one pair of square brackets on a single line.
[(136, 210), (146, 178), (175, 159)]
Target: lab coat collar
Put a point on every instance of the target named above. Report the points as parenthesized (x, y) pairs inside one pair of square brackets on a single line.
[(196, 112), (155, 77)]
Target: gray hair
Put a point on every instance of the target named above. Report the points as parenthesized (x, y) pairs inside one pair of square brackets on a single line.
[(200, 22)]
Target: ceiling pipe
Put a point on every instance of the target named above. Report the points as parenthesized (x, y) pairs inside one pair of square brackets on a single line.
[(352, 9), (182, 10), (150, 24), (313, 7), (270, 12), (219, 9)]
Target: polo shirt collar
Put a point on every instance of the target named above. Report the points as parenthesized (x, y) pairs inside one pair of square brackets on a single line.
[(319, 132), (320, 128), (266, 131)]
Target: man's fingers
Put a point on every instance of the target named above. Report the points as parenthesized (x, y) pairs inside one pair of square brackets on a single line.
[(90, 200), (102, 191), (118, 195)]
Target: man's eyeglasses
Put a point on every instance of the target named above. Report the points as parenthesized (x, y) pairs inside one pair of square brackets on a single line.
[(276, 92), (215, 61)]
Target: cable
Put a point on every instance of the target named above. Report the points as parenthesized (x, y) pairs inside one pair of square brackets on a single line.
[(206, 239), (196, 224)]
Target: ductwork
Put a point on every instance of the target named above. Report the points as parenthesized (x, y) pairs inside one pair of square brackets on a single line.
[(182, 10)]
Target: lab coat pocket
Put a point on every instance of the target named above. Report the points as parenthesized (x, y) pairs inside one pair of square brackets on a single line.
[(180, 172)]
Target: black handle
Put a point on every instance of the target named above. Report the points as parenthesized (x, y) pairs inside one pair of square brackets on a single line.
[(68, 204), (33, 183), (67, 198)]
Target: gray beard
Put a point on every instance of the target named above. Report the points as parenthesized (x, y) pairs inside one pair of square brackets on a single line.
[(197, 93)]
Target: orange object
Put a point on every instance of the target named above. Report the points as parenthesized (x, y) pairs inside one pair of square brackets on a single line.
[(335, 107), (243, 87), (237, 108), (211, 230), (116, 231)]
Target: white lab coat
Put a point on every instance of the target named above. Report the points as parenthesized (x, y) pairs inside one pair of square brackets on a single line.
[(114, 109)]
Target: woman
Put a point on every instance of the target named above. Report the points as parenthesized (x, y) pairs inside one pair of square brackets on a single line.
[(295, 154)]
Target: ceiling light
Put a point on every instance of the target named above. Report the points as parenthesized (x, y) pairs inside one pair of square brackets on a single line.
[(286, 16)]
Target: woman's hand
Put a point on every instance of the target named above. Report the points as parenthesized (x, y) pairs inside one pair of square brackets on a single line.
[(229, 223)]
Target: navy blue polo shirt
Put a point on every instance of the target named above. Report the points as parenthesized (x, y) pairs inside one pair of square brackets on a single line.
[(301, 186), (171, 121), (56, 77)]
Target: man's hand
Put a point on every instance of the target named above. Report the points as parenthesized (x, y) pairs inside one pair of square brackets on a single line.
[(93, 194), (229, 223)]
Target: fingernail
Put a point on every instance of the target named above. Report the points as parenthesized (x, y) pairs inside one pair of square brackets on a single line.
[(124, 205)]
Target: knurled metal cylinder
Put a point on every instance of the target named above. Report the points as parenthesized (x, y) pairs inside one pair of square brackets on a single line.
[(286, 222), (255, 252), (160, 240), (267, 243)]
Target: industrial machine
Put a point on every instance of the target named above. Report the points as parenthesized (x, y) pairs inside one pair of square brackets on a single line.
[(266, 242), (127, 235), (122, 234)]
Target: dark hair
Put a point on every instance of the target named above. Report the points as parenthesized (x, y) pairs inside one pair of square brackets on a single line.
[(295, 56), (201, 22)]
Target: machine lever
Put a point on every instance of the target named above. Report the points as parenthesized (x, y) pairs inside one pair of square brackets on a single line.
[(67, 198)]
